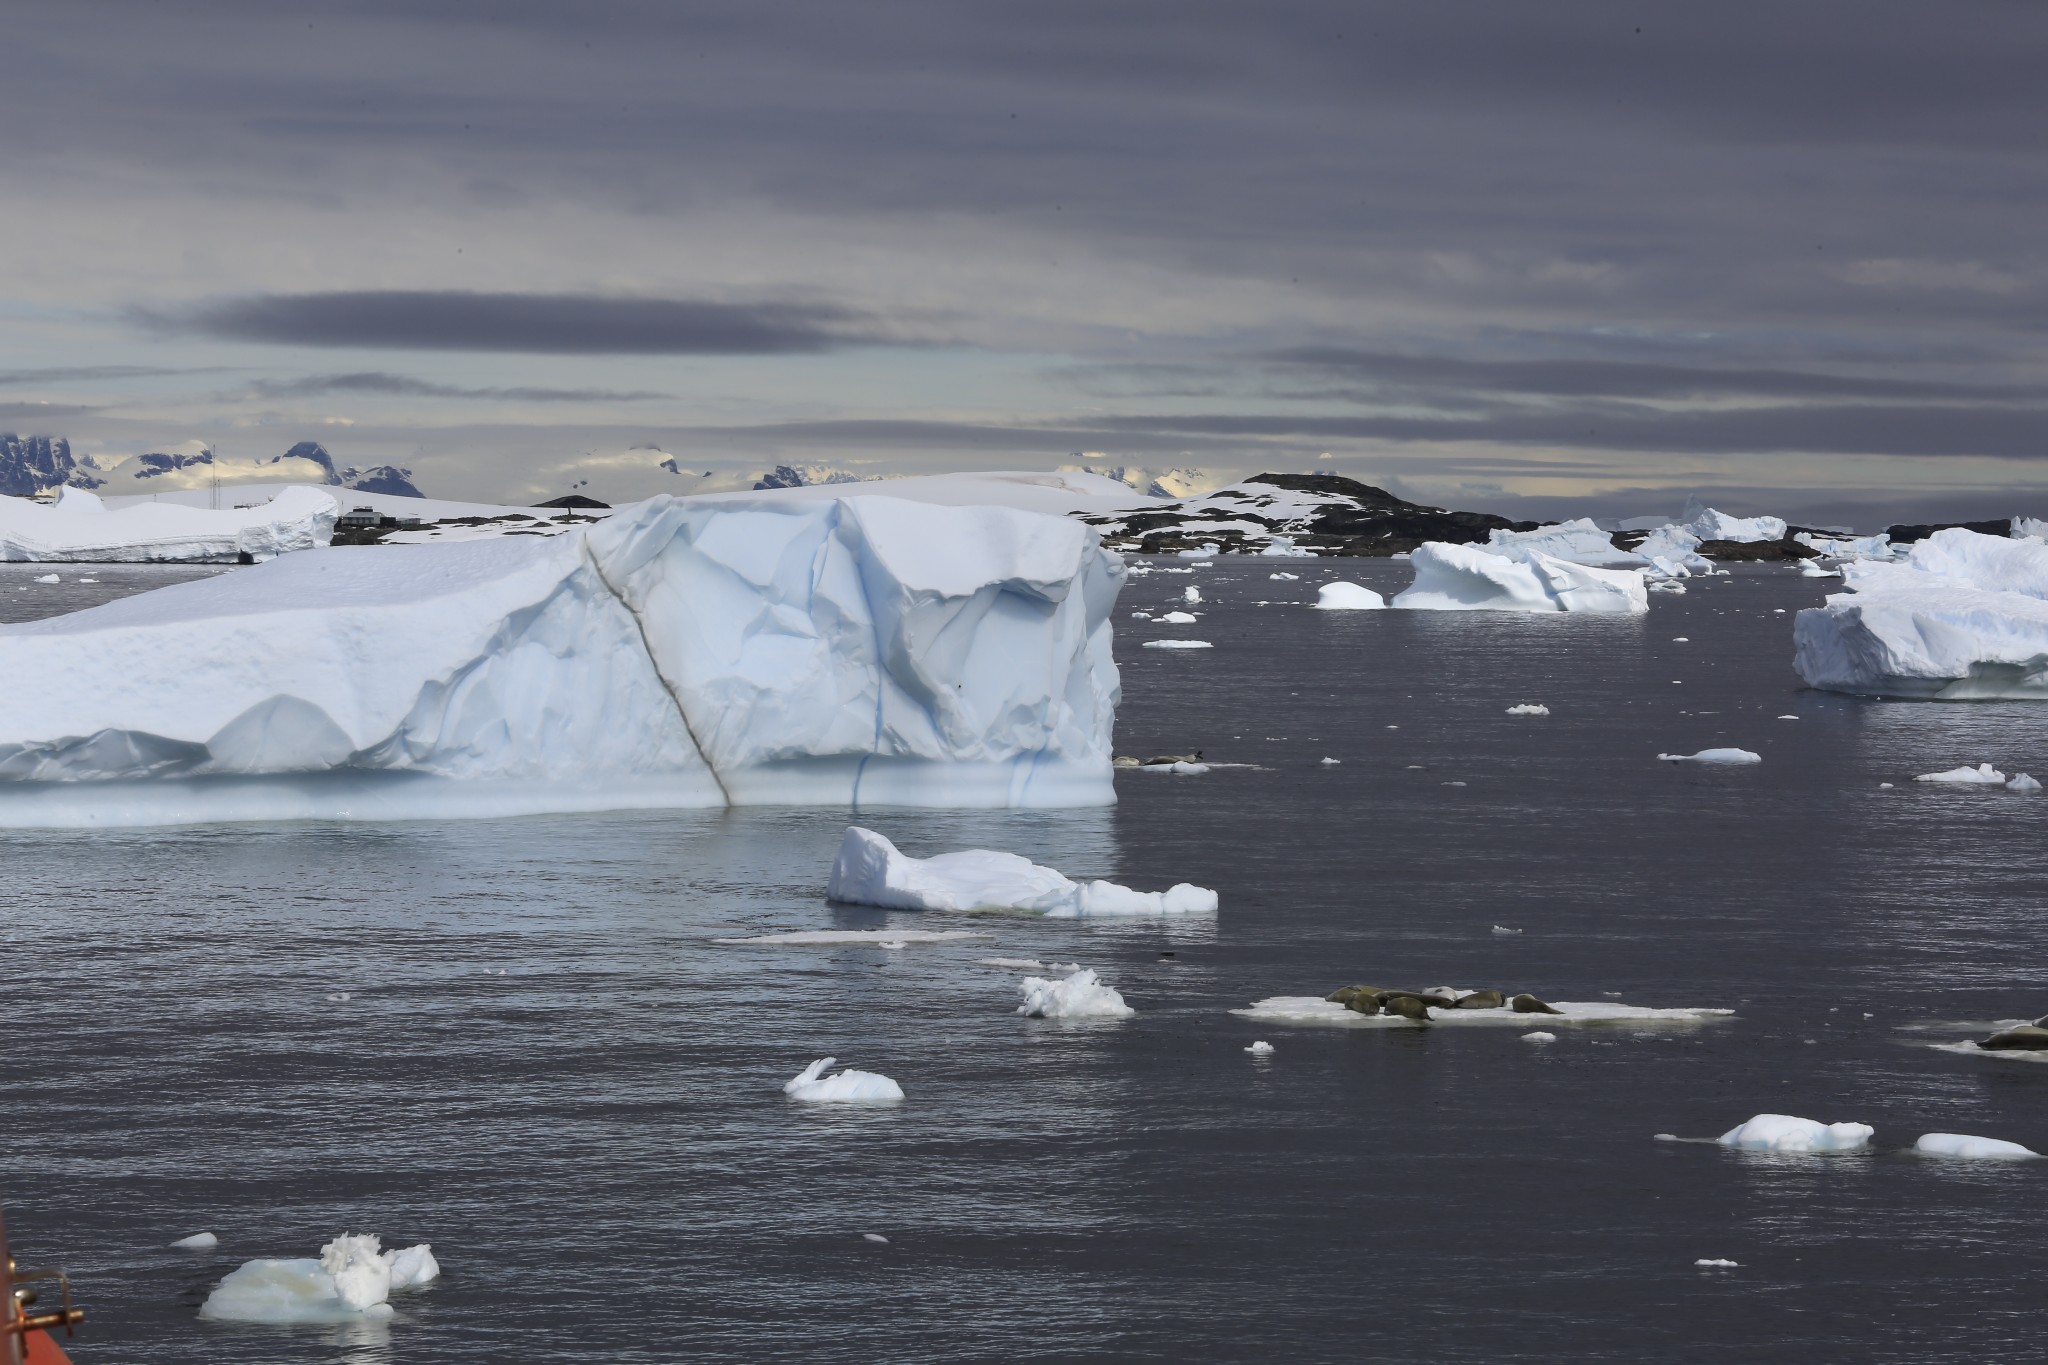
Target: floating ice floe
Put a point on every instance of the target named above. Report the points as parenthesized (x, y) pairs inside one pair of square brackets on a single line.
[(1975, 1148), (1473, 578), (1315, 1011), (1962, 616), (1348, 597), (351, 1281), (858, 650), (49, 578), (1714, 756), (198, 1241), (1813, 568), (1179, 767), (1983, 775), (1878, 546), (1178, 644), (1192, 595), (1716, 1263), (1260, 1048), (1284, 577), (1539, 1037), (820, 937), (1529, 708), (1078, 995), (79, 527), (1503, 929), (1784, 1133), (2023, 783), (1177, 618), (871, 871), (813, 1086), (1330, 762)]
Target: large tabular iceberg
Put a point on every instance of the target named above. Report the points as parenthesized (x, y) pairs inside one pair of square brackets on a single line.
[(1475, 578), (78, 527), (862, 650), (1962, 616)]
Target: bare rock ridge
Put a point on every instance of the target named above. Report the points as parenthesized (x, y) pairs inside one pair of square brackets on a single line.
[(1324, 513)]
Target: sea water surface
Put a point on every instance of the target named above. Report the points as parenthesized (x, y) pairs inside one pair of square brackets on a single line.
[(519, 1040)]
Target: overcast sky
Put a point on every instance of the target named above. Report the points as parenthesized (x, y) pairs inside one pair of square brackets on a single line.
[(1516, 256)]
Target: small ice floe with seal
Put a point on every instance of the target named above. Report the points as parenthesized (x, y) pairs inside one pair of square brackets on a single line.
[(351, 1281), (1380, 1007), (871, 871), (2016, 1040), (813, 1086)]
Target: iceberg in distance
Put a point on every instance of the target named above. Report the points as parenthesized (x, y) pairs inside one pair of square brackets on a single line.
[(855, 651), (871, 871), (79, 528), (1474, 578), (1960, 617)]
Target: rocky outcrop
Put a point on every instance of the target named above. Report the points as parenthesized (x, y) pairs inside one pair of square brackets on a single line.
[(1322, 514)]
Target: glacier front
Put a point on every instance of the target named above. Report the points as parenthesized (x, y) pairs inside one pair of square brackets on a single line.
[(80, 528), (1961, 617), (857, 651)]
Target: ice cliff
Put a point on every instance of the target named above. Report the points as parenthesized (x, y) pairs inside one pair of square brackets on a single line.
[(1960, 616), (78, 527), (855, 651)]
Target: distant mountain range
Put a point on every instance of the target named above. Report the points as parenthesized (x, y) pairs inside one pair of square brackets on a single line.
[(36, 464)]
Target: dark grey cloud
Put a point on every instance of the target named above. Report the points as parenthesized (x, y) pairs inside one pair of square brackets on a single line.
[(1619, 379), (545, 324), (73, 374), (404, 386)]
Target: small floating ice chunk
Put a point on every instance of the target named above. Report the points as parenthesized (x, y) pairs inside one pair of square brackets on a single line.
[(1884, 786), (348, 1283), (813, 1086), (1260, 1048), (1283, 577), (1141, 616), (1976, 1148), (49, 578), (1539, 1037), (875, 1237), (2023, 783), (1021, 964), (1529, 708), (1178, 618), (1332, 762), (1503, 929), (1713, 1264), (1983, 775), (1788, 718), (198, 1241), (1681, 639), (1348, 597), (1714, 756), (872, 871), (1193, 594), (1179, 766), (1784, 1133), (1178, 644), (1080, 995)]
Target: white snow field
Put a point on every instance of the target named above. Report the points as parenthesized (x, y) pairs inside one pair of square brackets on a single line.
[(1714, 756), (1784, 1133), (1960, 617), (1078, 995), (1472, 578), (871, 871), (1348, 597), (79, 527), (1974, 1148), (848, 651), (351, 1281), (1314, 1010), (813, 1086)]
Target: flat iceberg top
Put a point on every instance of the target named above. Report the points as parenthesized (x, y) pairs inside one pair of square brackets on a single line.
[(1313, 1009)]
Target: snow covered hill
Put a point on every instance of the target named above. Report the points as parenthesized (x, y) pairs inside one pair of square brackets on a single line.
[(1326, 514)]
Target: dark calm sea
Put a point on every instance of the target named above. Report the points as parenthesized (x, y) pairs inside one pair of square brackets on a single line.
[(545, 1067)]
